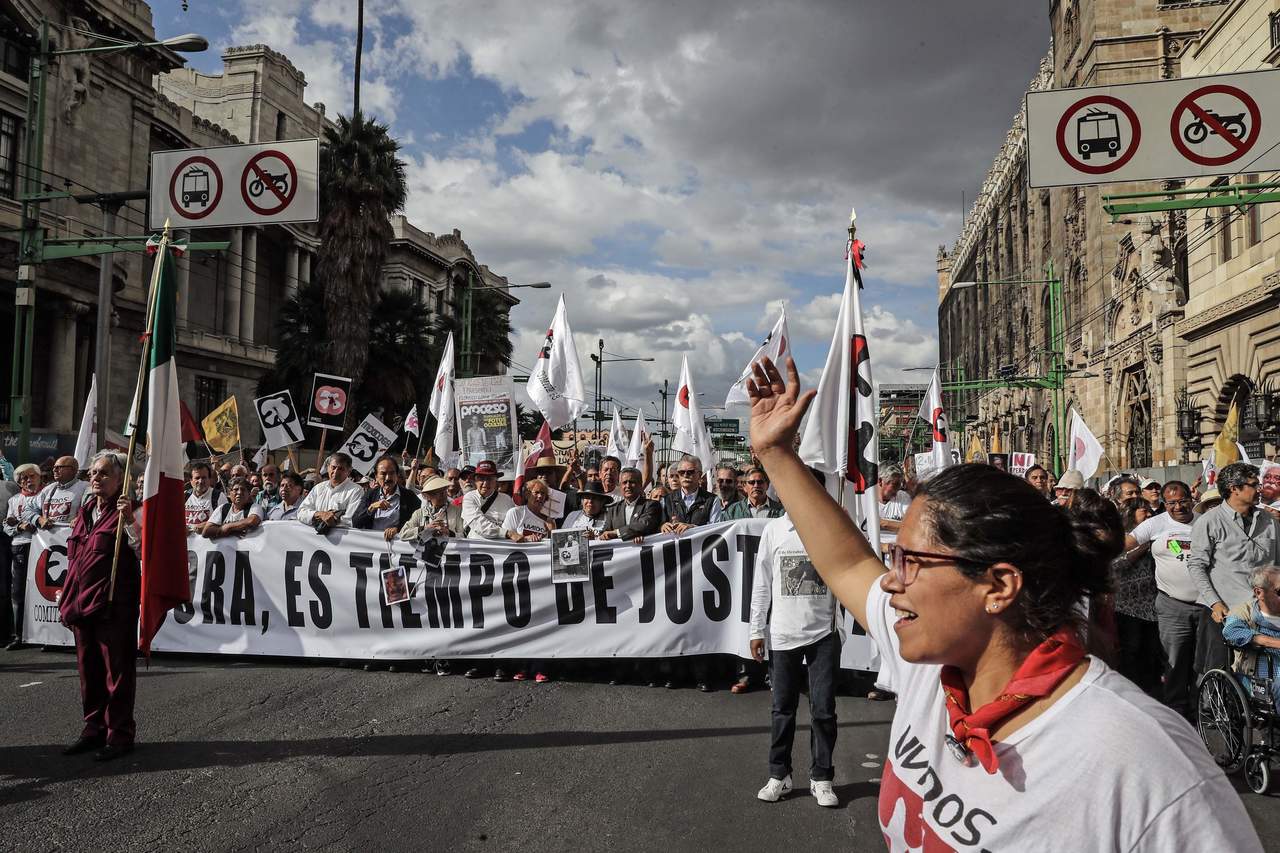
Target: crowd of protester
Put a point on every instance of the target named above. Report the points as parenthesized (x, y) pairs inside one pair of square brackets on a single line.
[(1197, 576)]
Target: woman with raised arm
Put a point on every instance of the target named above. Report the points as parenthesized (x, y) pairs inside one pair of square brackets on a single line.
[(1008, 735)]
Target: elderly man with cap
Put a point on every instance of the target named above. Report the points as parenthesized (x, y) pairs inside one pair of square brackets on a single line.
[(484, 508), (1065, 491), (437, 517), (60, 500)]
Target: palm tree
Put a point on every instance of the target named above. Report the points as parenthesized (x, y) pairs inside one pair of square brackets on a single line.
[(362, 182)]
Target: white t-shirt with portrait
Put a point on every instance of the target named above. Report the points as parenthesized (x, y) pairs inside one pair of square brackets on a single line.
[(1170, 546), (199, 508), (1106, 768)]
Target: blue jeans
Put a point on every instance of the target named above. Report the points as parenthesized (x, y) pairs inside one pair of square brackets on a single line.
[(787, 669)]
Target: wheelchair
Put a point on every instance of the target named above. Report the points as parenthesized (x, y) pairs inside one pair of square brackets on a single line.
[(1236, 718)]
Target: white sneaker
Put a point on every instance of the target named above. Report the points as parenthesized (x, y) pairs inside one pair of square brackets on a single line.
[(823, 794), (774, 790)]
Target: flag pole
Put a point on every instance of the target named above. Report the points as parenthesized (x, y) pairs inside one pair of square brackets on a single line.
[(156, 269), (324, 433)]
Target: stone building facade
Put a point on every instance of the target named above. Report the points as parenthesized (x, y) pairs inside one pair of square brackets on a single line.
[(1231, 330), (1124, 283), (106, 113)]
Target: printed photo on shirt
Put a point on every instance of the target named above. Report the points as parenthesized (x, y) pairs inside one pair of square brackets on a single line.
[(799, 577)]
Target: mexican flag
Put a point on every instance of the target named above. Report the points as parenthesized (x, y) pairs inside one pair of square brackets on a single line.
[(164, 546)]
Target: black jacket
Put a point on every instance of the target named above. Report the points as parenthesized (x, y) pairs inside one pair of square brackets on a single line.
[(363, 517), (673, 508), (645, 521)]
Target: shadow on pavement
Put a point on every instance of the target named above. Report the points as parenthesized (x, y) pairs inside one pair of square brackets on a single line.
[(34, 766)]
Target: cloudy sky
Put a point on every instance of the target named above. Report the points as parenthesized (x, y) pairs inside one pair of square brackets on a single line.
[(678, 170)]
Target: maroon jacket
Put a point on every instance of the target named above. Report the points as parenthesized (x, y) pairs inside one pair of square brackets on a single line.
[(89, 553)]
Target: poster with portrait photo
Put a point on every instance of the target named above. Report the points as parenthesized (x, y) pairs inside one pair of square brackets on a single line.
[(570, 556), (395, 585), (798, 576), (486, 411)]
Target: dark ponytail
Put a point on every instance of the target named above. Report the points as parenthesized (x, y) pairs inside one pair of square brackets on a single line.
[(987, 516)]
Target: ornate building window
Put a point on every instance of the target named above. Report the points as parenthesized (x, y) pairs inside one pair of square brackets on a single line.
[(1137, 396)]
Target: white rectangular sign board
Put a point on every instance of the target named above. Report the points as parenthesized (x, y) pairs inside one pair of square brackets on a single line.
[(1193, 127), (270, 182)]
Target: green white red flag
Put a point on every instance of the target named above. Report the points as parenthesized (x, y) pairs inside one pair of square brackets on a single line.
[(164, 546)]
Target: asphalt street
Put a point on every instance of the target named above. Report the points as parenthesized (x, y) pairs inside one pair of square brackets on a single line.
[(253, 755)]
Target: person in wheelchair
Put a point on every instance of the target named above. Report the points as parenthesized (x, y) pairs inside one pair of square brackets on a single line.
[(1253, 629)]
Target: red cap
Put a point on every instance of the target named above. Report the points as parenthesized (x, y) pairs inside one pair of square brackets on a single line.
[(486, 469)]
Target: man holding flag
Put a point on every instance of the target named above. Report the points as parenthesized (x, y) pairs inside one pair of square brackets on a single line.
[(108, 588)]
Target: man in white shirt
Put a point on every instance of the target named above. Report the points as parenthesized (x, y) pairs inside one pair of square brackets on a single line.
[(1168, 536), (60, 500), (484, 508), (893, 500), (803, 627), (203, 499), (332, 503)]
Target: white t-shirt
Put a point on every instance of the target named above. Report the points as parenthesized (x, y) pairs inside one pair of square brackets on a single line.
[(520, 519), (1106, 768), (224, 514), (60, 503), (199, 508), (788, 591), (896, 507), (1170, 546), (579, 520)]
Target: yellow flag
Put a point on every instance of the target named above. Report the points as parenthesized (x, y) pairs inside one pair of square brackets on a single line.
[(995, 441), (976, 453), (222, 427), (1224, 446)]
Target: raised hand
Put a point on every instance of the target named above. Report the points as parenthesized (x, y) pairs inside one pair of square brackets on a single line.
[(777, 406)]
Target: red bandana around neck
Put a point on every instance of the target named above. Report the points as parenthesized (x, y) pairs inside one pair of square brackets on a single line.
[(1045, 668)]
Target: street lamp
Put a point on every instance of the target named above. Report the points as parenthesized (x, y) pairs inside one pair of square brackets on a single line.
[(1188, 421), (600, 360), (466, 313), (31, 241)]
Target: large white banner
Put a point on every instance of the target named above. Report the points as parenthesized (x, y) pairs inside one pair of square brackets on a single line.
[(286, 590)]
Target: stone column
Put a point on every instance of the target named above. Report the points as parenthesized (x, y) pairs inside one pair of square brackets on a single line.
[(235, 279), (60, 404), (304, 268), (249, 302), (291, 280)]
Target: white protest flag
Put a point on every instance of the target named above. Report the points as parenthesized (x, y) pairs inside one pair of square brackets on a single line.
[(441, 405), (555, 384), (840, 436), (260, 458), (777, 346), (1085, 450), (932, 412), (691, 432), (639, 435), (411, 422), (87, 439), (617, 444)]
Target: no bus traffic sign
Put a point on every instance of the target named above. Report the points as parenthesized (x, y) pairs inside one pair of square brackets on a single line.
[(1192, 127), (270, 182)]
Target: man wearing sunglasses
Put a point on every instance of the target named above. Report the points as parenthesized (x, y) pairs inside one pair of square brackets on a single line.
[(726, 492), (1228, 542), (1168, 536), (757, 503), (690, 505)]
